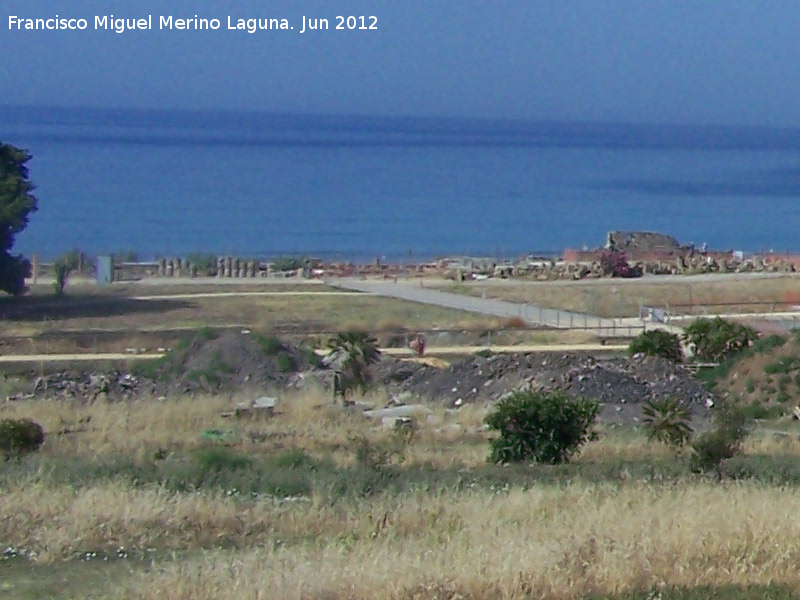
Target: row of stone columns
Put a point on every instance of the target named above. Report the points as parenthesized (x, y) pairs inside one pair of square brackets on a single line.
[(226, 266), (234, 267)]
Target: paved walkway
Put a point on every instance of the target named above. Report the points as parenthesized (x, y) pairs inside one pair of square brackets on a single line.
[(399, 352), (531, 313)]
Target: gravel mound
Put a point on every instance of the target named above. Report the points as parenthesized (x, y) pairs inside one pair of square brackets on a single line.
[(617, 381)]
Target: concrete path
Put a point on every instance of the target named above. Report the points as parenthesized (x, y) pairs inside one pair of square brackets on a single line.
[(102, 356), (449, 350), (531, 313), (191, 296), (399, 352)]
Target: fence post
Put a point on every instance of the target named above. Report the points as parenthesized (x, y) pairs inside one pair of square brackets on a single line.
[(571, 316), (558, 318), (35, 268)]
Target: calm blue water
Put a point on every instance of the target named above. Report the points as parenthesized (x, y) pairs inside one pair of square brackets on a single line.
[(250, 184)]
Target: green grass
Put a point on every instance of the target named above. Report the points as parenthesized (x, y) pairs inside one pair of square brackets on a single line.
[(213, 372), (755, 592), (784, 364), (270, 345), (218, 468), (94, 579), (710, 377)]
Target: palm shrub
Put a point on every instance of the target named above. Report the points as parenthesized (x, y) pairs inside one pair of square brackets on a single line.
[(542, 426), (667, 421), (725, 441), (356, 352), (20, 436), (657, 342), (717, 339)]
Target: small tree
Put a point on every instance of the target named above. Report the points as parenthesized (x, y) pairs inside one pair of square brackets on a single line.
[(717, 339), (657, 342), (667, 421), (542, 426), (62, 268), (355, 352), (711, 449), (17, 202), (614, 263)]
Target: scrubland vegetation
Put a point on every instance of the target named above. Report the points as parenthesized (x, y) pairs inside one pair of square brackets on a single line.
[(319, 502)]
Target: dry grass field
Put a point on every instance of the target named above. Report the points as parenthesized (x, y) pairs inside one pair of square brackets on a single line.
[(313, 310), (316, 502), (169, 499), (112, 319), (619, 298)]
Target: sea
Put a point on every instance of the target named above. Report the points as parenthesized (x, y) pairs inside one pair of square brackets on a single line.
[(173, 183)]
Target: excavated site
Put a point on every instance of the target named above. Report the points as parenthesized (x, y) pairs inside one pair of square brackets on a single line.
[(236, 363)]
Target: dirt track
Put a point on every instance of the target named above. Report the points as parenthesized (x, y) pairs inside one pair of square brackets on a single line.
[(400, 352)]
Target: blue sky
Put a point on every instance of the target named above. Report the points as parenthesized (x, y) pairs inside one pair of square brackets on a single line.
[(672, 61)]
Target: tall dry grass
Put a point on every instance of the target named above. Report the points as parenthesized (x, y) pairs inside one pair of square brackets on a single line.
[(554, 542), (562, 537), (622, 298)]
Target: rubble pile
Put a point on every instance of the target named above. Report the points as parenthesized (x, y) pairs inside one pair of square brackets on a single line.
[(617, 381), (236, 362)]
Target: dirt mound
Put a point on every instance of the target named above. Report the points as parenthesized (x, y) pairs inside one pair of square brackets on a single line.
[(205, 362), (619, 381), (234, 360), (766, 378)]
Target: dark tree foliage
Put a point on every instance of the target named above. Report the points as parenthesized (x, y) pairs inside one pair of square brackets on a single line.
[(20, 436), (714, 447), (16, 203)]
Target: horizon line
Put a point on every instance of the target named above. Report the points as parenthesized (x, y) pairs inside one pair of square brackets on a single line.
[(401, 117)]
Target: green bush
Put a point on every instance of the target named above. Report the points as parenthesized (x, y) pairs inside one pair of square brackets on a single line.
[(289, 263), (270, 345), (542, 426), (756, 410), (285, 363), (657, 342), (314, 359), (206, 264), (721, 443), (20, 436), (667, 421), (717, 339), (221, 459)]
